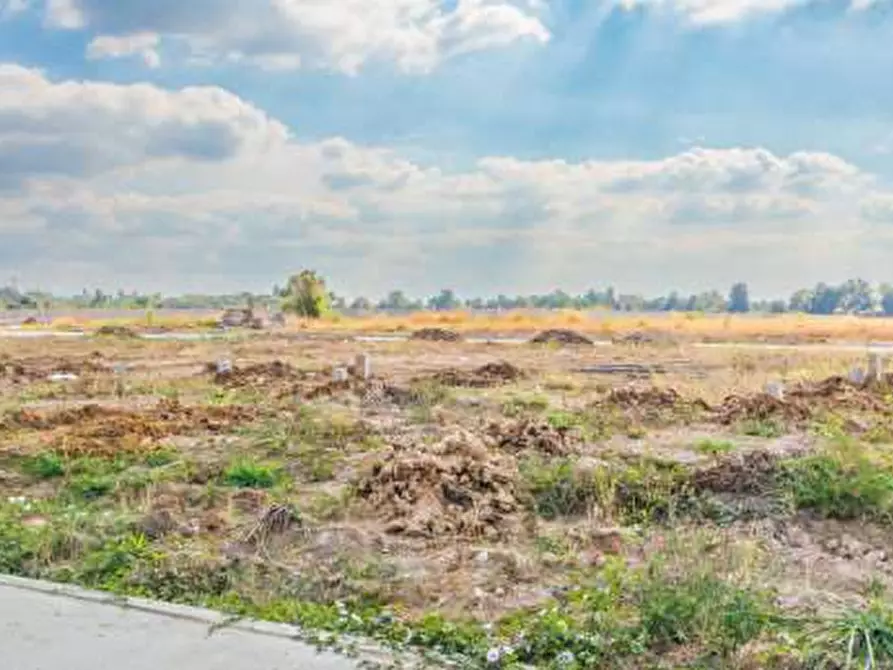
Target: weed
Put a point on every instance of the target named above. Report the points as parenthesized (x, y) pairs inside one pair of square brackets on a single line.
[(562, 420), (161, 457), (651, 491), (429, 393), (841, 485), (768, 428), (520, 405), (46, 465), (245, 473), (853, 638), (714, 447), (90, 486), (559, 489)]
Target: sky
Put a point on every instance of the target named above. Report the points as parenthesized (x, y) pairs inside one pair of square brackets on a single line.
[(490, 146)]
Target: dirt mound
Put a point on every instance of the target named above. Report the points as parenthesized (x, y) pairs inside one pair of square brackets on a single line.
[(534, 436), (560, 336), (35, 369), (261, 375), (436, 335), (116, 331), (651, 397), (749, 473), (491, 374), (454, 488), (762, 407), (104, 431), (803, 401), (373, 391)]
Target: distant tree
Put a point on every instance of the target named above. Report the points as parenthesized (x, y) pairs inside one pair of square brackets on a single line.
[(445, 300), (362, 304), (396, 300), (739, 298), (305, 295)]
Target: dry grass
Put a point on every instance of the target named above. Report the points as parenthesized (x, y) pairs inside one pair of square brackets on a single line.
[(598, 323), (793, 327)]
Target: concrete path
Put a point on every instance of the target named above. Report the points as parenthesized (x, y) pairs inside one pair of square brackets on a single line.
[(49, 627)]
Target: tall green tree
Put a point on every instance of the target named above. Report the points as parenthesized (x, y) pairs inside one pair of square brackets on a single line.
[(305, 295)]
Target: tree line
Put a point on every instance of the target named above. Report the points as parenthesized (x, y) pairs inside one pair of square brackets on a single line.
[(306, 292)]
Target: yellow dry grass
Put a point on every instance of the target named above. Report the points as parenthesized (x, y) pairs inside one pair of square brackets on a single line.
[(598, 323), (794, 327)]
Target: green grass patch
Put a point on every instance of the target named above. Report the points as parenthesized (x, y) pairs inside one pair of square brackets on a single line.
[(45, 465), (714, 447), (841, 484), (251, 474)]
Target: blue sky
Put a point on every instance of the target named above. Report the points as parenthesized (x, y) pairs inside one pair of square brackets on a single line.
[(489, 145)]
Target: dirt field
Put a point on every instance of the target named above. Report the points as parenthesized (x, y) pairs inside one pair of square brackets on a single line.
[(490, 505)]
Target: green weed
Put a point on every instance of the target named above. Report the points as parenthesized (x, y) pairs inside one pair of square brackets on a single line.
[(841, 485), (246, 473), (714, 447), (520, 405), (857, 638), (46, 465), (768, 429)]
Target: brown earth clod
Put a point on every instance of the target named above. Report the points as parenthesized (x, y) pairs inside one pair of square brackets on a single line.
[(436, 335), (533, 436), (456, 488), (93, 430), (804, 401), (260, 375), (485, 376), (35, 369), (560, 336), (116, 331), (749, 473)]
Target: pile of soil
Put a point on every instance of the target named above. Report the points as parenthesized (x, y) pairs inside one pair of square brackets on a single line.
[(560, 336), (651, 397), (36, 369), (103, 431), (261, 375), (486, 376), (762, 407), (532, 436), (456, 488), (436, 335), (803, 401), (749, 473), (116, 331), (372, 391)]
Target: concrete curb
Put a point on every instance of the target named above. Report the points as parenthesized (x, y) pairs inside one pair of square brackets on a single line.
[(214, 620)]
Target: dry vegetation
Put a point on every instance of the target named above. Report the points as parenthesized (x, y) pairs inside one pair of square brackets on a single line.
[(484, 505), (600, 325)]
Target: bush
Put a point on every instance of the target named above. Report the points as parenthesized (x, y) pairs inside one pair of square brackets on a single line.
[(306, 295)]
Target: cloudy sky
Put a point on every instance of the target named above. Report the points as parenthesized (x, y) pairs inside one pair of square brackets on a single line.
[(488, 145)]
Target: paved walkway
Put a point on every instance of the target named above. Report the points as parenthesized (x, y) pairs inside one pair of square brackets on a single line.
[(49, 627)]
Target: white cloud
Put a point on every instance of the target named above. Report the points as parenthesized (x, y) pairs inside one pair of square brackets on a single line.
[(79, 129), (10, 8), (339, 34), (102, 183), (711, 12), (143, 45)]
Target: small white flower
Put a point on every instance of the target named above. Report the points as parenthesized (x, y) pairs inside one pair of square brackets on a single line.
[(565, 658), (493, 656)]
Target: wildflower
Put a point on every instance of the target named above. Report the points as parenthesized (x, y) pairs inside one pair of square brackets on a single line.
[(493, 655), (565, 658)]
